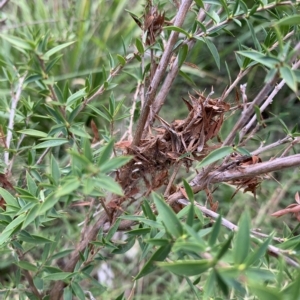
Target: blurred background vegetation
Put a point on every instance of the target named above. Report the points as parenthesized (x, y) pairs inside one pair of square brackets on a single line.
[(103, 29)]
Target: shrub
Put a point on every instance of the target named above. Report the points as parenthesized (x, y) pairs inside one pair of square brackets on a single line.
[(151, 122)]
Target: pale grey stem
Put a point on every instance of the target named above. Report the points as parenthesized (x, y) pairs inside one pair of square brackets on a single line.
[(245, 72), (14, 157), (3, 3), (256, 169), (268, 101), (132, 110), (244, 96), (14, 102), (248, 113), (166, 86), (285, 140), (233, 227), (160, 71)]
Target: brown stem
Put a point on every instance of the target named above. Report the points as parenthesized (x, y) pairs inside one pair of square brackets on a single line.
[(29, 278), (57, 289)]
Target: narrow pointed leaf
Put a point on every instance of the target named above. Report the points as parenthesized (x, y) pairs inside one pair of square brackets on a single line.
[(215, 156), (168, 216)]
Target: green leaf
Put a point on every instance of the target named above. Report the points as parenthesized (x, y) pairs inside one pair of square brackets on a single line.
[(31, 215), (67, 293), (32, 187), (199, 3), (51, 143), (189, 191), (33, 132), (27, 266), (191, 212), (242, 241), (68, 187), (121, 60), (15, 223), (168, 216), (264, 292), (159, 255), (148, 211), (189, 247), (268, 61), (76, 96), (9, 198), (158, 242), (215, 232), (139, 46), (33, 78), (113, 229), (55, 171), (106, 153), (185, 76), (8, 231), (58, 276), (252, 31), (213, 50), (243, 151), (123, 248), (224, 248), (259, 252), (107, 183), (79, 132), (215, 156), (49, 202), (187, 267), (178, 29), (139, 231), (17, 42), (111, 61), (210, 285), (183, 51), (289, 77), (56, 49), (289, 21), (114, 163), (78, 291), (224, 4)]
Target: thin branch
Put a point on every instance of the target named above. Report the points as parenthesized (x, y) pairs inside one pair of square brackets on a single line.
[(29, 277), (132, 110), (14, 102), (278, 194), (267, 102), (285, 140), (256, 169), (92, 233), (272, 249), (166, 86), (3, 3), (9, 169), (43, 155), (200, 181), (248, 112), (114, 72), (160, 72)]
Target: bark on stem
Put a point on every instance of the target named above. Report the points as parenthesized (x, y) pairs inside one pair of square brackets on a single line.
[(160, 72)]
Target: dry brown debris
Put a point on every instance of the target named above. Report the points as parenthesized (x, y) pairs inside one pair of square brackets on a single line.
[(151, 23), (182, 140), (248, 184), (293, 208)]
